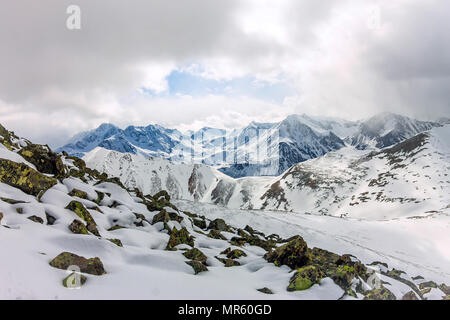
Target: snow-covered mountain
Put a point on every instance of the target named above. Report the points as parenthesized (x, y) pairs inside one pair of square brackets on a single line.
[(407, 179), (387, 129), (259, 149), (67, 226)]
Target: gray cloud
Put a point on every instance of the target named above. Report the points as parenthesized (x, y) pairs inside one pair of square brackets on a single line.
[(55, 82)]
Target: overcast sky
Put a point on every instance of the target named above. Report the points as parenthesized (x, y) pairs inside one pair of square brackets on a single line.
[(192, 63)]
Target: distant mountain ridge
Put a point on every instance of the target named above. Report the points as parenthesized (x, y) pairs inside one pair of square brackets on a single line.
[(259, 149)]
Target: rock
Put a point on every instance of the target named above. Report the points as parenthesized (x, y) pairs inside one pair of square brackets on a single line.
[(410, 296), (265, 290), (164, 216), (36, 219), (11, 201), (200, 223), (197, 266), (78, 227), (71, 282), (78, 193), (234, 254), (444, 288), (100, 197), (162, 194), (84, 214), (305, 278), (428, 284), (215, 234), (218, 224), (342, 276), (45, 160), (179, 237), (418, 278), (50, 219), (379, 294), (117, 242), (1, 216), (19, 210), (91, 266), (228, 262), (294, 254), (21, 176), (379, 263), (116, 227), (196, 255), (425, 291)]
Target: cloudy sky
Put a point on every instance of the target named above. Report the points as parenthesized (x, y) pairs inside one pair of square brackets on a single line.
[(192, 63)]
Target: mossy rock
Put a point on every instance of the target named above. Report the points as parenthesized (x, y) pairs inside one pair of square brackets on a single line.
[(92, 266), (293, 254), (79, 209), (305, 278), (164, 216), (190, 214), (70, 280), (444, 288), (117, 242), (21, 176), (265, 290), (36, 219), (233, 254), (428, 284), (215, 234), (410, 296), (178, 237), (1, 216), (197, 266), (196, 255), (218, 224), (379, 294), (19, 210), (78, 227), (162, 194), (229, 262), (237, 241), (100, 197), (45, 160), (78, 193), (342, 276), (12, 201), (200, 223), (425, 291), (116, 227), (323, 258)]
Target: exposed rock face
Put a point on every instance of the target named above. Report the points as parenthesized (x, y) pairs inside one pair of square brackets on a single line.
[(43, 159), (21, 176), (66, 259), (293, 254)]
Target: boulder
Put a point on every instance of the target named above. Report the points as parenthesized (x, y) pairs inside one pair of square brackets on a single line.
[(215, 234), (410, 296), (79, 209), (228, 262), (117, 242), (196, 255), (45, 160), (379, 294), (294, 254), (305, 278), (36, 219), (21, 176), (234, 254), (265, 290), (78, 193), (218, 224), (71, 282), (197, 266), (78, 227), (91, 266), (177, 237), (164, 216)]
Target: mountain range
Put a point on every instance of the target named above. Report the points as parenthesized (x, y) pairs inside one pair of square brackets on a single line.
[(259, 149)]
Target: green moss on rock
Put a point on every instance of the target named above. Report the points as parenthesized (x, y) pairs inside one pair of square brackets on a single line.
[(117, 242), (78, 193), (79, 209), (196, 255), (379, 294), (305, 278), (294, 254), (36, 219), (178, 237), (21, 176), (78, 227), (197, 266), (70, 280), (92, 266)]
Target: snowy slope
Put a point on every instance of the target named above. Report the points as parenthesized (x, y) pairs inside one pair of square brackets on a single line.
[(409, 179)]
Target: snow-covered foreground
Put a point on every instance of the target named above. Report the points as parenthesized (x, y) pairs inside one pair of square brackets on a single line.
[(416, 246)]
